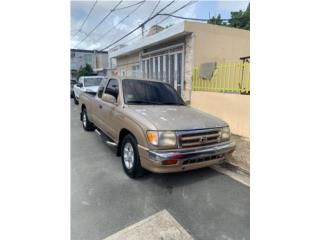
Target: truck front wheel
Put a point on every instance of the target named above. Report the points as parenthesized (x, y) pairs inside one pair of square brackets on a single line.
[(87, 125), (130, 157)]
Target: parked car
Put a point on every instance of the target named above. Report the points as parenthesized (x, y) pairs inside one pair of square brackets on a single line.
[(152, 128), (86, 84), (72, 83)]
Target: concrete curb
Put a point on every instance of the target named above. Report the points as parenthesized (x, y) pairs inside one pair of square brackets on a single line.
[(240, 177), (161, 225)]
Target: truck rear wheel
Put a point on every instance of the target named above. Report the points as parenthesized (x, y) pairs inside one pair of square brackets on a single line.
[(87, 125), (130, 157)]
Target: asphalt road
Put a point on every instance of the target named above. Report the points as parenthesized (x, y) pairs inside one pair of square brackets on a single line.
[(104, 200)]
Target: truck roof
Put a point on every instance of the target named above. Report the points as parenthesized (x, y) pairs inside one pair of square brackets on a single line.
[(93, 76), (135, 78)]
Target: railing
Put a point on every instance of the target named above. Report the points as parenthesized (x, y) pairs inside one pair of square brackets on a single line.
[(226, 78)]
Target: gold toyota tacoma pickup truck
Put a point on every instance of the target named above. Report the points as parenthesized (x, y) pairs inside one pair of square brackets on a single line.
[(152, 128)]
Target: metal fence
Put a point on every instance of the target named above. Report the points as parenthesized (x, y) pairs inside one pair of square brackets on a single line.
[(225, 78)]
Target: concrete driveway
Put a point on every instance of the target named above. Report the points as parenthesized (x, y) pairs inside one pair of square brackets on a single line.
[(206, 204)]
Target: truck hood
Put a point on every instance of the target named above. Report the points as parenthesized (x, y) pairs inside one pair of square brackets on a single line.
[(91, 89), (176, 117)]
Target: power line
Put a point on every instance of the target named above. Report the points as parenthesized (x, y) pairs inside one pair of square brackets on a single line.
[(86, 34), (102, 20), (142, 29), (141, 25), (182, 7), (94, 4), (160, 21), (149, 19), (122, 20), (130, 5), (133, 38), (168, 15), (187, 18), (198, 19), (154, 8)]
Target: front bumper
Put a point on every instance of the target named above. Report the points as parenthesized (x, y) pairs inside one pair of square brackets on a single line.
[(187, 159)]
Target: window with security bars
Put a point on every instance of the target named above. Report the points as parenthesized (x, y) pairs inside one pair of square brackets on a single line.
[(164, 66), (135, 71)]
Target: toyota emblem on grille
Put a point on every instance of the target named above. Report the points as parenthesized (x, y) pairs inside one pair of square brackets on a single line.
[(203, 139)]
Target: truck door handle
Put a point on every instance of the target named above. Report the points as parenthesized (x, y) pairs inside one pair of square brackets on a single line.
[(100, 106)]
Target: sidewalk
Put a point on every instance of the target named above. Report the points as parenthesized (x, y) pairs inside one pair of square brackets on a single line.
[(161, 225), (241, 156), (238, 167)]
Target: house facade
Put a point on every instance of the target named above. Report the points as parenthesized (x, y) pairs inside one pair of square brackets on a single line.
[(98, 60), (171, 54)]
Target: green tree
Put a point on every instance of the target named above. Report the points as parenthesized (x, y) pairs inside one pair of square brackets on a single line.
[(240, 19), (85, 71), (216, 20)]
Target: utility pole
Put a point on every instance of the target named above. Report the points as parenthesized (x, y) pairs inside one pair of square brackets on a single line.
[(142, 29)]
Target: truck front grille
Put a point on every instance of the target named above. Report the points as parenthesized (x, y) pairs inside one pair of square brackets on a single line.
[(196, 138)]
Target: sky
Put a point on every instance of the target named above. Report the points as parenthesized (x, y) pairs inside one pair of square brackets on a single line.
[(112, 29)]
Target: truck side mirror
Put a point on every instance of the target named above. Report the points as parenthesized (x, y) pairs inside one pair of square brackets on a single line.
[(80, 85), (109, 98), (112, 92)]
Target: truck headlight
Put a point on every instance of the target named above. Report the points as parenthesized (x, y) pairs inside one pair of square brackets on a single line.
[(162, 138), (225, 133)]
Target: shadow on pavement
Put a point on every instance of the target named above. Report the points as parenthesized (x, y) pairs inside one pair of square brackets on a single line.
[(172, 180)]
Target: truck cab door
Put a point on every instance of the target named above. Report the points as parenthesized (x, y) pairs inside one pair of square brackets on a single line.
[(108, 109), (97, 104)]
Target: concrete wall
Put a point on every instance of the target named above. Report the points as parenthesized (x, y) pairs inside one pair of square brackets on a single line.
[(127, 62), (79, 59), (232, 108), (188, 66), (218, 44)]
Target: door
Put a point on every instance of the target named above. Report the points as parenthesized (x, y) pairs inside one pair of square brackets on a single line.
[(175, 71), (179, 66), (172, 70), (97, 103), (107, 113)]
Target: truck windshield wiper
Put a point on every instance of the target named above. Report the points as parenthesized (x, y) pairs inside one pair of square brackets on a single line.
[(172, 103), (142, 102), (152, 103)]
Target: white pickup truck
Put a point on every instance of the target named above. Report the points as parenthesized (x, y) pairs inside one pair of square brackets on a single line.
[(89, 84)]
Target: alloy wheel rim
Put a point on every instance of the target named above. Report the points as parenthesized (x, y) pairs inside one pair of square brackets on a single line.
[(84, 119), (128, 155)]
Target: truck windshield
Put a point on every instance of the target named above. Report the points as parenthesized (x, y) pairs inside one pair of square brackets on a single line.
[(147, 92), (89, 82)]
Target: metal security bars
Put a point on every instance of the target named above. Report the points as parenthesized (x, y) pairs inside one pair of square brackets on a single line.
[(165, 64), (225, 78)]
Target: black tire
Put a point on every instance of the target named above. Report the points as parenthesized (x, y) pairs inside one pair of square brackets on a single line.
[(72, 94), (76, 102), (86, 124), (136, 170)]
